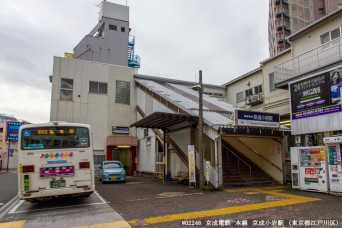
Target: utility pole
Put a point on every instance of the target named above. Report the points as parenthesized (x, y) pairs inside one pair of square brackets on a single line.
[(8, 153), (200, 131)]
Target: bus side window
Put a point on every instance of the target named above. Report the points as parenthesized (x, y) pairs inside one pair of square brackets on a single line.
[(56, 143)]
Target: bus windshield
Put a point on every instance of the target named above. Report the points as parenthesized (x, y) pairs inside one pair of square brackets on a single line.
[(55, 137)]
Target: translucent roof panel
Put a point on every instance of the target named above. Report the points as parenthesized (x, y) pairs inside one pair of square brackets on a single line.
[(215, 112)]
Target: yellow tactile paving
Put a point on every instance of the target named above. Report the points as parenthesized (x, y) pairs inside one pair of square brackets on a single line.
[(288, 200), (15, 224), (118, 224)]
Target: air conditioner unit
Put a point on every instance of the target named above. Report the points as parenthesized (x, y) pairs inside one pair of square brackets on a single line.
[(249, 100), (256, 97)]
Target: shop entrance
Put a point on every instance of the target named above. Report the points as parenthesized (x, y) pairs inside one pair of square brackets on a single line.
[(126, 155)]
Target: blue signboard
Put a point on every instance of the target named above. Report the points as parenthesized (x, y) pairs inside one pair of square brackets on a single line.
[(257, 119), (13, 131)]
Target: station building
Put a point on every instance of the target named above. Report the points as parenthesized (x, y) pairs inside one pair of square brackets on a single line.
[(147, 122)]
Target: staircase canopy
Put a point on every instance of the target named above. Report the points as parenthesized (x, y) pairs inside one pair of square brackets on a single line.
[(168, 122)]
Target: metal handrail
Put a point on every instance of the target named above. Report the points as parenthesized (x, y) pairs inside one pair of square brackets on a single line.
[(313, 59), (240, 159)]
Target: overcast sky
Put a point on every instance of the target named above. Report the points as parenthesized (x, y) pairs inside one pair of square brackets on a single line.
[(174, 39)]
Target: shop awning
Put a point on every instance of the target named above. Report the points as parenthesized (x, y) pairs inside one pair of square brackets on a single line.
[(167, 121)]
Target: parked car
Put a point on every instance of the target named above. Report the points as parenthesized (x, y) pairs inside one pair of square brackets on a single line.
[(112, 171)]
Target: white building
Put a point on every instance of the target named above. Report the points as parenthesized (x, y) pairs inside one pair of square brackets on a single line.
[(133, 115)]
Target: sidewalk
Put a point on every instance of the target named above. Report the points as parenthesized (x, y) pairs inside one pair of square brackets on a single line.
[(144, 201)]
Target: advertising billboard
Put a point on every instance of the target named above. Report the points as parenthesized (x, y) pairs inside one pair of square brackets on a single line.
[(13, 131), (317, 95)]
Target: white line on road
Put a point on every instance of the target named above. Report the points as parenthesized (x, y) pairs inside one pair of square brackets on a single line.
[(16, 206), (98, 195), (13, 211), (5, 208)]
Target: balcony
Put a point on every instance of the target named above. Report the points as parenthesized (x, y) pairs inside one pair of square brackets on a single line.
[(317, 58), (282, 13), (278, 2), (284, 27)]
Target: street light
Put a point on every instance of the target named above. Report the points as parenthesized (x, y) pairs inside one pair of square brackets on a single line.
[(199, 88)]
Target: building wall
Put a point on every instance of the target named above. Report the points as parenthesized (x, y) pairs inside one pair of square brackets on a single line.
[(249, 82), (98, 110), (276, 101), (104, 44), (147, 152), (12, 163), (311, 39)]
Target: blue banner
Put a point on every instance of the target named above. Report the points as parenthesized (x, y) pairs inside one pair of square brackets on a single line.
[(13, 131)]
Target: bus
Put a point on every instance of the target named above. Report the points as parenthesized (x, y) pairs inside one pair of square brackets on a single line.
[(55, 159)]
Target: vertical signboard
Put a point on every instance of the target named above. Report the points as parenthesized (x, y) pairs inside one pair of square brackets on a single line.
[(192, 166), (13, 131)]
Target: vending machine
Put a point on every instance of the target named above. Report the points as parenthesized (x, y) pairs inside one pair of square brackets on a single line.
[(311, 168), (294, 167), (334, 149)]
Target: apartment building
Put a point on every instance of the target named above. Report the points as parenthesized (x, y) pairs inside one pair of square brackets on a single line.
[(289, 16), (315, 49)]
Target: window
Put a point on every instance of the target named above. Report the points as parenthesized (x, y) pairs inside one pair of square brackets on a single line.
[(272, 84), (1, 130), (122, 92), (327, 37), (240, 97), (248, 92), (99, 158), (66, 89), (97, 87), (335, 33), (258, 89), (145, 132), (0, 144), (113, 27), (55, 138), (123, 29)]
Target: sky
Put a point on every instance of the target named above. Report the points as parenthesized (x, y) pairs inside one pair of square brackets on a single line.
[(174, 39)]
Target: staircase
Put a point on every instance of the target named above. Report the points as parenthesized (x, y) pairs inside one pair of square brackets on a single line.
[(133, 60), (239, 171)]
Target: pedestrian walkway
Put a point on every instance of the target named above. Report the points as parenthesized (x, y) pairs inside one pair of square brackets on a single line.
[(143, 202)]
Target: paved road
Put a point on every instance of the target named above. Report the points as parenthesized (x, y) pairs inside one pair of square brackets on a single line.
[(145, 202), (8, 186), (89, 212)]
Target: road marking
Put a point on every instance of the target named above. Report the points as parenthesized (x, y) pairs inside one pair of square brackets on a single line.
[(15, 224), (288, 199), (13, 211), (16, 206), (7, 207), (118, 224), (98, 195), (162, 197)]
